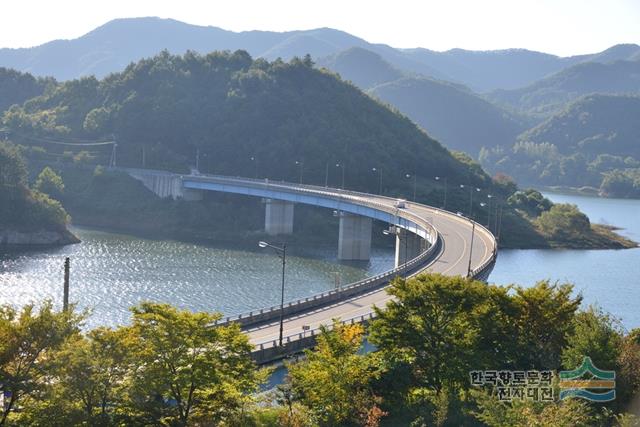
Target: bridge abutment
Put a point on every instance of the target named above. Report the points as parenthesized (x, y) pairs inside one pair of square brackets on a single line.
[(354, 238), (278, 218), (408, 246)]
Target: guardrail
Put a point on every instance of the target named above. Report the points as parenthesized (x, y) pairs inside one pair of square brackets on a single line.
[(329, 297), (268, 350), (420, 262)]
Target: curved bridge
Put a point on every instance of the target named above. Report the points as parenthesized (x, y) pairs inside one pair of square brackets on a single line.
[(427, 239)]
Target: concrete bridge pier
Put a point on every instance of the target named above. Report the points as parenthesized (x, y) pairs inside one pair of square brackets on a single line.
[(278, 218), (354, 238), (408, 246)]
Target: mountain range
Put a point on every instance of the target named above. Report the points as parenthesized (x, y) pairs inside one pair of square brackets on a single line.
[(468, 100), (110, 47)]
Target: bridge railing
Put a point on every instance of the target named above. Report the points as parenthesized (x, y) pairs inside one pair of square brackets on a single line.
[(413, 266), (418, 263), (269, 350), (328, 297)]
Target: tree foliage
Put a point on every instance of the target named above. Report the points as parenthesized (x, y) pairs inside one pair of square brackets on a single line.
[(187, 369), (442, 327), (334, 382), (233, 108), (28, 340), (20, 207), (563, 221), (50, 183), (592, 143)]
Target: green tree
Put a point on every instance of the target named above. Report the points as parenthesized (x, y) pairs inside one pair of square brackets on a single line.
[(50, 183), (628, 371), (596, 335), (20, 207), (334, 381), (186, 368), (563, 221), (28, 339), (571, 412), (443, 327), (97, 121), (91, 373), (13, 170), (530, 201), (543, 323)]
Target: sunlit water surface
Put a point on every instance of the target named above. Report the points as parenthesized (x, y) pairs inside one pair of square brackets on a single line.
[(110, 272), (608, 278)]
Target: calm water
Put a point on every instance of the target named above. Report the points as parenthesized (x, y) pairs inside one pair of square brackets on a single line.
[(609, 278), (111, 272)]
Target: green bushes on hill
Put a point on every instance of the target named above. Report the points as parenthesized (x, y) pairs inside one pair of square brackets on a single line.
[(21, 208)]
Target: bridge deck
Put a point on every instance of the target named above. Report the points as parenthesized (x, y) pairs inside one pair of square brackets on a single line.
[(452, 232), (453, 260)]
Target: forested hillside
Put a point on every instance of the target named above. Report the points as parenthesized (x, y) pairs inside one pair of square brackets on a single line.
[(363, 67), (594, 142), (17, 87), (228, 114), (243, 116), (110, 47), (27, 216), (550, 95), (450, 113)]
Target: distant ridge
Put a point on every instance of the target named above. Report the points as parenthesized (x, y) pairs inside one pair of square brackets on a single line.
[(550, 94), (114, 45), (438, 106)]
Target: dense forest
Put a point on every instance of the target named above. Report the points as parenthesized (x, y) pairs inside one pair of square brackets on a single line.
[(226, 113), (25, 211), (437, 343), (232, 109), (17, 87), (465, 99), (592, 143), (551, 94)]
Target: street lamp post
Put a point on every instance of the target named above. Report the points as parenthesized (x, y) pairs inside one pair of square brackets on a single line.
[(489, 197), (341, 165), (379, 170), (255, 166), (444, 180), (473, 233), (483, 204), (498, 222), (415, 184), (282, 253), (326, 176), (300, 164), (471, 188)]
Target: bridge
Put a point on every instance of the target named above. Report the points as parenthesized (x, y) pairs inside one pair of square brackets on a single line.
[(427, 239)]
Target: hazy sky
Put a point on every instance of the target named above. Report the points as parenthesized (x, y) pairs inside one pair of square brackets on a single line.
[(563, 27)]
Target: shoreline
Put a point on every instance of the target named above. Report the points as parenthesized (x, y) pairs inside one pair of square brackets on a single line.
[(16, 240), (579, 191)]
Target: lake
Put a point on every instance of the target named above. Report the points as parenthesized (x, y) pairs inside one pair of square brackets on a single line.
[(608, 278), (111, 272)]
